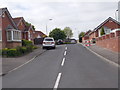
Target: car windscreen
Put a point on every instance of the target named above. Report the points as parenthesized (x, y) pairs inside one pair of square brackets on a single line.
[(48, 39)]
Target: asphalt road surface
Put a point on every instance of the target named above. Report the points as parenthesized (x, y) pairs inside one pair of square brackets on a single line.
[(68, 66)]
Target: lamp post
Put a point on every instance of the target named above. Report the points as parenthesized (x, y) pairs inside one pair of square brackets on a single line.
[(47, 26), (116, 14)]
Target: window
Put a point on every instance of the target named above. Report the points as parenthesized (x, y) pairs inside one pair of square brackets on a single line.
[(14, 35), (9, 35)]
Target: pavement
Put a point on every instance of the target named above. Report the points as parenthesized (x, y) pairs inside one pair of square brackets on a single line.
[(106, 53), (9, 64), (67, 66)]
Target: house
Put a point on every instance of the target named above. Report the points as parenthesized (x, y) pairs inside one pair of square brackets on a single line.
[(86, 36), (9, 32), (108, 25), (39, 34), (21, 24)]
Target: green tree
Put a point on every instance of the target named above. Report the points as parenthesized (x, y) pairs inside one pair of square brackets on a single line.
[(102, 31), (81, 35), (68, 32), (28, 24), (57, 33)]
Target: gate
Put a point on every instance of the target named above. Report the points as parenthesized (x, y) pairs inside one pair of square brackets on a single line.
[(38, 41)]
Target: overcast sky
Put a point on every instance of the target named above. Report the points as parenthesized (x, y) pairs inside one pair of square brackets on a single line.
[(76, 14)]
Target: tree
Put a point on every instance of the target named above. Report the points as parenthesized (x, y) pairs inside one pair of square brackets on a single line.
[(68, 32), (28, 24), (81, 35), (57, 33), (102, 31)]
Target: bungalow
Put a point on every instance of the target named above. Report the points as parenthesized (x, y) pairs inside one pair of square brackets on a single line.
[(9, 32), (108, 25), (86, 36), (39, 34), (29, 33), (20, 22)]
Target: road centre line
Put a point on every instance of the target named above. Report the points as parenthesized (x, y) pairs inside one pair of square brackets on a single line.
[(65, 53), (57, 81), (63, 61), (65, 48)]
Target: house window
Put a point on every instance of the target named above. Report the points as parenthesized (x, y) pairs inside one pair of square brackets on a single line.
[(0, 35), (13, 35), (9, 35)]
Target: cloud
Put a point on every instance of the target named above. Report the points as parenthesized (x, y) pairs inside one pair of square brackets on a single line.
[(80, 16)]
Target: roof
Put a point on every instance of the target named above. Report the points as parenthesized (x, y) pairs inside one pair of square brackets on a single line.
[(98, 27), (3, 10), (17, 20), (88, 32), (40, 33), (29, 27)]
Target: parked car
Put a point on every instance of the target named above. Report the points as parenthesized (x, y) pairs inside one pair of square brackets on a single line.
[(73, 41), (48, 42), (59, 41)]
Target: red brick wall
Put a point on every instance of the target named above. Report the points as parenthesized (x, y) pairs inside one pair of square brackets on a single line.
[(110, 41), (112, 25), (92, 35), (5, 22), (13, 44)]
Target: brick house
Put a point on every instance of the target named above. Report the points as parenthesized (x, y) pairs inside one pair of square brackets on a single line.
[(39, 34), (86, 36), (20, 22), (9, 32), (109, 25), (29, 33)]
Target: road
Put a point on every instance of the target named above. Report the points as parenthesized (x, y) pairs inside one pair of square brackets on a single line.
[(68, 66)]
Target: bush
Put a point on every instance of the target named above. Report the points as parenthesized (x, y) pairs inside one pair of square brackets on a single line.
[(12, 52), (35, 47), (21, 50), (4, 51), (29, 48), (26, 43)]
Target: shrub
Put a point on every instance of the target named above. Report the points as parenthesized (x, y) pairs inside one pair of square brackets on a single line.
[(26, 43), (4, 51), (24, 50), (21, 50), (35, 47), (29, 48), (102, 31), (12, 52)]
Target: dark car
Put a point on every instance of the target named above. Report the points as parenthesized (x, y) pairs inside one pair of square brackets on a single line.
[(59, 41)]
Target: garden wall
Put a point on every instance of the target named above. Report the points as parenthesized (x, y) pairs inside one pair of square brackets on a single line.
[(110, 41)]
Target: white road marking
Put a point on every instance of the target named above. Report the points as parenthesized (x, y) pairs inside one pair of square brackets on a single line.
[(22, 65), (63, 61), (65, 48), (57, 81), (65, 53)]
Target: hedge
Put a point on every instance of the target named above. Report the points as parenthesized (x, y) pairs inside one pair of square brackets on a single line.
[(18, 51), (26, 43)]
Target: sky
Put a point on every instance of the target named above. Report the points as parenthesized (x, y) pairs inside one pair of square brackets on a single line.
[(79, 15)]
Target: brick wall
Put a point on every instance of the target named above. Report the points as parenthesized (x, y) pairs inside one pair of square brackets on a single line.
[(13, 44), (110, 41)]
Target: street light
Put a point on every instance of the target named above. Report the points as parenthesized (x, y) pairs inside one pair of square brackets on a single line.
[(47, 27), (116, 14)]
